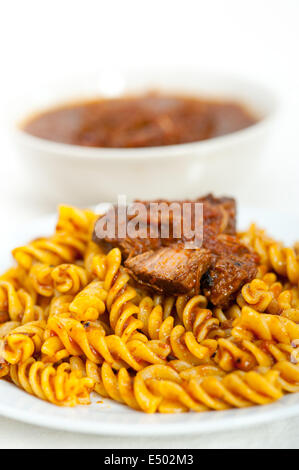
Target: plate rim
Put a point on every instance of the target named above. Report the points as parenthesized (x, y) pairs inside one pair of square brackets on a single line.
[(264, 414)]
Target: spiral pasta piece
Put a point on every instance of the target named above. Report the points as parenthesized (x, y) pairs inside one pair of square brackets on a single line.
[(288, 301), (155, 322), (167, 303), (190, 342), (7, 327), (121, 298), (237, 389), (243, 351), (289, 376), (151, 402), (18, 305), (23, 342), (52, 251), (52, 348), (90, 340), (267, 353), (265, 295), (227, 315), (94, 261), (160, 388), (284, 262), (184, 341), (115, 385), (234, 353), (61, 386), (18, 278), (89, 304), (69, 242), (107, 383), (181, 303), (64, 279), (72, 220), (272, 254), (198, 319), (225, 318), (259, 241), (184, 346), (257, 294), (60, 305), (231, 355), (188, 372), (265, 326)]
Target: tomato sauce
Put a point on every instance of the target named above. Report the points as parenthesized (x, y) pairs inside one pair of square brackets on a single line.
[(147, 120)]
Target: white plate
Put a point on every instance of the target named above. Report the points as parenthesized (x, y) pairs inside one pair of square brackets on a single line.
[(110, 418)]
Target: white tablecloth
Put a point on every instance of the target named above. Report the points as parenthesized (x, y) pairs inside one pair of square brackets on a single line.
[(280, 435)]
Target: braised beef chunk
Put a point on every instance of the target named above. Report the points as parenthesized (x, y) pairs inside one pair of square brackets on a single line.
[(223, 269), (220, 268), (234, 265), (172, 270), (226, 276), (129, 246), (227, 206), (219, 216), (224, 245), (217, 212)]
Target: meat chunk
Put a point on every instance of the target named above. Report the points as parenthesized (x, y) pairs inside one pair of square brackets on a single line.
[(172, 270), (222, 264), (129, 246), (233, 266), (226, 206), (223, 245), (219, 216), (220, 271), (220, 213)]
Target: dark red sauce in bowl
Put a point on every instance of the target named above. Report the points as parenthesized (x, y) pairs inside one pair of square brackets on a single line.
[(148, 120)]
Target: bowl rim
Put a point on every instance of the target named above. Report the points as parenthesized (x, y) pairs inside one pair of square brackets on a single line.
[(167, 151)]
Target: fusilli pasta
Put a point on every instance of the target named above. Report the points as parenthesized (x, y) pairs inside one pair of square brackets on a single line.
[(72, 320)]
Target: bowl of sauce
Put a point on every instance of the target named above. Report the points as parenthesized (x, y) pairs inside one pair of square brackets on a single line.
[(148, 120), (164, 135)]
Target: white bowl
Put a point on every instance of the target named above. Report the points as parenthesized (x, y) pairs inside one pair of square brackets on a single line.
[(81, 175)]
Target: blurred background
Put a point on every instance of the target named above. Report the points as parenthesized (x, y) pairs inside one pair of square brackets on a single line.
[(41, 42)]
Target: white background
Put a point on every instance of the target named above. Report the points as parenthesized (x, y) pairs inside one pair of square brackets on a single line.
[(42, 41)]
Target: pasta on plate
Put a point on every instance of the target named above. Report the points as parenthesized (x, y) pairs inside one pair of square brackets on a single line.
[(73, 321)]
